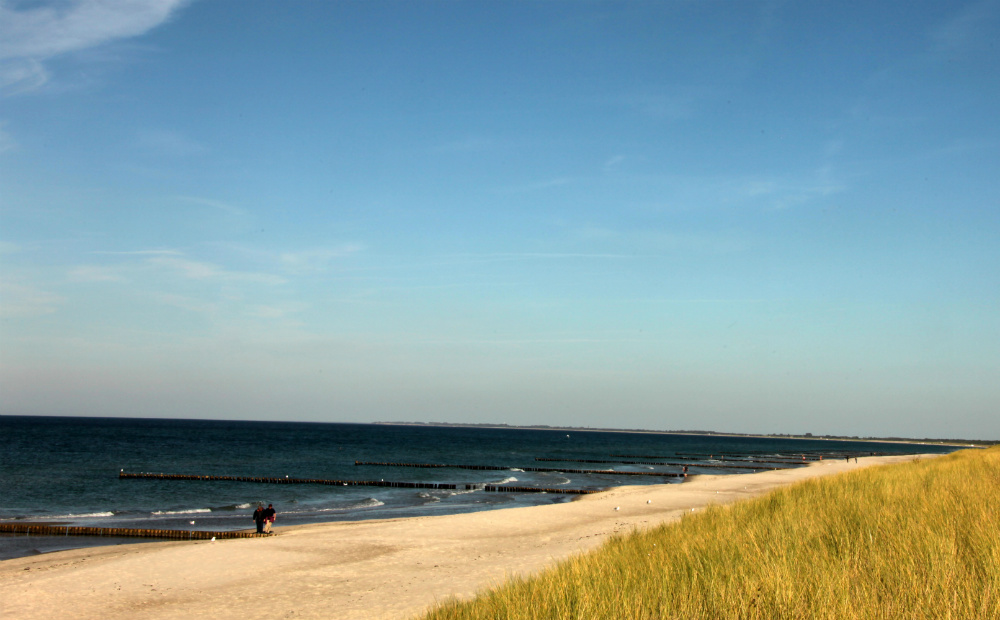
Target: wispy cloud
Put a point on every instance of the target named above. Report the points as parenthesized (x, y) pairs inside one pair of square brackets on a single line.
[(184, 303), (686, 193), (614, 162), (20, 75), (7, 143), (41, 31), (274, 311), (95, 273), (215, 204), (654, 243), (468, 144), (171, 143), (785, 192), (317, 259), (21, 300), (197, 270), (450, 260), (550, 255), (140, 252), (539, 185), (661, 106), (968, 30), (517, 342)]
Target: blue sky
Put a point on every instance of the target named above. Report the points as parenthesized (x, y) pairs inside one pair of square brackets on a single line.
[(731, 216)]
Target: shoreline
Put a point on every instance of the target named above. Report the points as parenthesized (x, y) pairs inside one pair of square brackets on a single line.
[(387, 569)]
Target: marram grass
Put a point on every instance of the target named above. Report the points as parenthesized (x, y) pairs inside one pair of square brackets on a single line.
[(913, 540)]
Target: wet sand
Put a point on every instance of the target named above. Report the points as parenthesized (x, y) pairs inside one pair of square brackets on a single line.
[(388, 569)]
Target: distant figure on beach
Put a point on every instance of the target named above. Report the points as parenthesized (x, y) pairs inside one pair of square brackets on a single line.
[(269, 514), (258, 518)]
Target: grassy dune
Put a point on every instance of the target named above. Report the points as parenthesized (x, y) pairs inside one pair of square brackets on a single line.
[(915, 540)]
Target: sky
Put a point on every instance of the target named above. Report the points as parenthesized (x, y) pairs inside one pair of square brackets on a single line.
[(737, 216)]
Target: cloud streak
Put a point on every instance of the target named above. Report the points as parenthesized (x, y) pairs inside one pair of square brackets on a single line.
[(94, 273), (19, 300), (316, 259), (139, 252), (33, 35), (170, 143), (7, 143), (215, 204), (676, 105), (968, 30), (197, 270)]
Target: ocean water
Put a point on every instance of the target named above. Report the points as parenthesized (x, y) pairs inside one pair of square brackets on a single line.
[(65, 470)]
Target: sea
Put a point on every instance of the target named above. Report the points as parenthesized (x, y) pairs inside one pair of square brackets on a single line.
[(66, 470)]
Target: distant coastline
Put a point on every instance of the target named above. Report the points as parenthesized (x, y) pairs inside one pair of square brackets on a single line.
[(951, 442), (964, 443)]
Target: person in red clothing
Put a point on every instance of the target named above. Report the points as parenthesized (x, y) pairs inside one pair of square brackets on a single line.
[(269, 515)]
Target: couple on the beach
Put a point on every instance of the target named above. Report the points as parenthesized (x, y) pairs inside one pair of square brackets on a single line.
[(264, 518)]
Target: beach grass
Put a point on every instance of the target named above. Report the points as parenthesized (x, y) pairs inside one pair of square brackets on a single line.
[(912, 540)]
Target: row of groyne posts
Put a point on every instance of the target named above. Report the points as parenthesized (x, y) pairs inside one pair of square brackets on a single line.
[(683, 460), (374, 483), (37, 529)]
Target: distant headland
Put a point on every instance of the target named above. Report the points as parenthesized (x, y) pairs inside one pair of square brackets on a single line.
[(546, 427)]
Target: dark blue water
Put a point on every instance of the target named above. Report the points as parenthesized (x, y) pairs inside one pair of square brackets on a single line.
[(65, 470)]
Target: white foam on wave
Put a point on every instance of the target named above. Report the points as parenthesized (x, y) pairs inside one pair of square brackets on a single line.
[(370, 502), (516, 469), (182, 512), (87, 515), (242, 506), (506, 480)]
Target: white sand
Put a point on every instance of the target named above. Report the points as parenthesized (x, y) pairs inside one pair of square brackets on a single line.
[(367, 569)]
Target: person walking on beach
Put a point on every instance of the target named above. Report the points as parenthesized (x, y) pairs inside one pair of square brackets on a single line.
[(258, 518), (269, 514)]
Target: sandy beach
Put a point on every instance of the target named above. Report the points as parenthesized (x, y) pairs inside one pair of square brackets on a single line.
[(388, 569)]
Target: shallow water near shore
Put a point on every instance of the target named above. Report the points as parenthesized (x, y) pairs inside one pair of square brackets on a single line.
[(65, 470)]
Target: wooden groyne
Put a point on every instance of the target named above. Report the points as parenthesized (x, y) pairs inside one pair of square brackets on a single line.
[(750, 464), (437, 466), (509, 489), (33, 529), (365, 483), (536, 469)]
